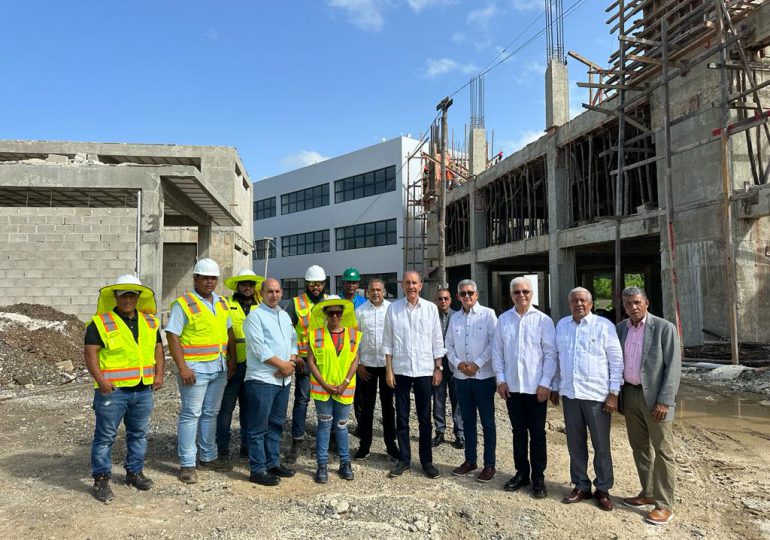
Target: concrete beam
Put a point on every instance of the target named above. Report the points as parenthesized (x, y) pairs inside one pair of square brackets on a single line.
[(596, 233)]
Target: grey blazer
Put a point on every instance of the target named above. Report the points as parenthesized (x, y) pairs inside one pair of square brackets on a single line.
[(661, 362)]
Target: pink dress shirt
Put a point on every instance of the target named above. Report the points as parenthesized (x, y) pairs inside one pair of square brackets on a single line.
[(632, 352)]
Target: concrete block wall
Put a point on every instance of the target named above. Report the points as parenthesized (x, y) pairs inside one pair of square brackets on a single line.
[(178, 262), (62, 256)]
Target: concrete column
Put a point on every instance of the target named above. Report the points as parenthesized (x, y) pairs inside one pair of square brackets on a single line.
[(204, 241), (561, 261), (479, 271), (151, 241), (556, 95), (478, 150)]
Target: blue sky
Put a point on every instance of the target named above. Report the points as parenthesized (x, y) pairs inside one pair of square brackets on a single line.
[(286, 82)]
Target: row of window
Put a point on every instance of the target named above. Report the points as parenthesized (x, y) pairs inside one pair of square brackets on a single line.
[(346, 189), (362, 235), (295, 286)]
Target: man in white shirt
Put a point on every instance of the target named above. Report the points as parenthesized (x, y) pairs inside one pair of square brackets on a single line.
[(371, 372), (414, 349), (591, 372), (524, 360), (469, 350)]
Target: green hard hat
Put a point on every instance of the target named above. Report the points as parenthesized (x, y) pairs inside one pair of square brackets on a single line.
[(351, 274)]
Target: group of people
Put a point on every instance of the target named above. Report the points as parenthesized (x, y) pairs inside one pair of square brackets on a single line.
[(341, 351)]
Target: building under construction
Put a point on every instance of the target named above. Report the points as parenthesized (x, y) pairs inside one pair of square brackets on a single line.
[(663, 177)]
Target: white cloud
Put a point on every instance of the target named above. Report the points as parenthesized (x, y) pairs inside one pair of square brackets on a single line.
[(524, 138), (418, 5), (303, 158), (459, 38), (442, 66), (482, 16), (365, 14), (528, 5), (211, 34)]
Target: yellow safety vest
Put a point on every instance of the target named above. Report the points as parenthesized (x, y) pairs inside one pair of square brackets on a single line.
[(204, 337), (123, 361), (334, 367), (302, 307), (238, 316)]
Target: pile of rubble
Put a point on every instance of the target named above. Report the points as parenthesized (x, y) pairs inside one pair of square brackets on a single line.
[(39, 345)]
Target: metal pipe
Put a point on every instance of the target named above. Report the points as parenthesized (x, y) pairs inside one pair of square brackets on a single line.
[(138, 233)]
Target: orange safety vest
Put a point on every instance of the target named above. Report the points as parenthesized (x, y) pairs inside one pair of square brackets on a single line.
[(332, 366), (123, 360), (204, 337), (302, 307)]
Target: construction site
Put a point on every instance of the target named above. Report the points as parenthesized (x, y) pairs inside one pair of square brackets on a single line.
[(662, 181)]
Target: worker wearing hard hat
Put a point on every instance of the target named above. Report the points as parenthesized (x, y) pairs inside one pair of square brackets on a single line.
[(200, 340), (299, 312), (246, 296), (124, 354), (351, 279)]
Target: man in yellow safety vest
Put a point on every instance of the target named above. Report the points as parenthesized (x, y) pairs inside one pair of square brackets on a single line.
[(124, 354), (201, 342), (246, 296), (299, 312)]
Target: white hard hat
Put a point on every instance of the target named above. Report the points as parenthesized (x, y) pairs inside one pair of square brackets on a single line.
[(315, 273), (126, 279), (206, 267)]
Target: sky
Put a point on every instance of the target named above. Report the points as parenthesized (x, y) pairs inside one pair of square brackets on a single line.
[(289, 82)]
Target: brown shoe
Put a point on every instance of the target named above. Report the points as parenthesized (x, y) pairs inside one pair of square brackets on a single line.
[(635, 502), (576, 495), (659, 516), (486, 474), (603, 500), (465, 468)]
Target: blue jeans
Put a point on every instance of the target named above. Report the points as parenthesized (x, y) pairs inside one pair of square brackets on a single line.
[(478, 395), (332, 412), (301, 399), (234, 391), (198, 416), (264, 425), (131, 407)]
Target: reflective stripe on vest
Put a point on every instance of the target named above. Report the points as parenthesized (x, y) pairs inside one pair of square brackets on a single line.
[(205, 336), (238, 317), (192, 305), (302, 308), (123, 360), (332, 366)]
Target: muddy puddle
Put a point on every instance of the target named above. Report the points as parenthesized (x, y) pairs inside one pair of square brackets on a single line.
[(729, 413)]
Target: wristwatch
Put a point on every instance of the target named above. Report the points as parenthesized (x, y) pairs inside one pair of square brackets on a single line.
[(438, 367), (614, 393)]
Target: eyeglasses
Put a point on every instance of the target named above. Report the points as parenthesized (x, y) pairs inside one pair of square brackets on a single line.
[(466, 293), (315, 283), (521, 293), (334, 314)]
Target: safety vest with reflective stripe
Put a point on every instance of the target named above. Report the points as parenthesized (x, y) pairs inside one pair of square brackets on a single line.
[(123, 361), (238, 316), (334, 367), (302, 307), (204, 337)]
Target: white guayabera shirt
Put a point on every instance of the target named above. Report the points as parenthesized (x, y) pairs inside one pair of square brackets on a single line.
[(413, 337), (371, 322), (469, 339)]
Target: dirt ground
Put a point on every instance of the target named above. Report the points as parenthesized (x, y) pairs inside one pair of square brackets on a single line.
[(45, 436)]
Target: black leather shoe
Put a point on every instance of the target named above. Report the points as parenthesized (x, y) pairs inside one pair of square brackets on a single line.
[(399, 469), (361, 454), (265, 479), (538, 489), (281, 471), (393, 453), (322, 474), (430, 470), (346, 471), (438, 440), (459, 444), (516, 483), (138, 480)]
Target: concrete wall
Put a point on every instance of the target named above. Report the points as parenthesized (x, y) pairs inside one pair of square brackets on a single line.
[(178, 262), (61, 256)]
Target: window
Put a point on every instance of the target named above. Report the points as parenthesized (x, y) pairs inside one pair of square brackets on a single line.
[(305, 243), (364, 235), (365, 185), (264, 209), (295, 286), (390, 279), (305, 199), (260, 246)]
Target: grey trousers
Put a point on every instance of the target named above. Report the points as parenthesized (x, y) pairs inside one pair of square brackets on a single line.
[(657, 473), (580, 414), (439, 404)]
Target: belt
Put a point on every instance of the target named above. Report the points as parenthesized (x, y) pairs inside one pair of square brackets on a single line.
[(639, 386)]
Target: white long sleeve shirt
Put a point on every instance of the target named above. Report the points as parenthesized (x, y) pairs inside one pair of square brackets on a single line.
[(524, 351), (413, 337), (590, 358), (469, 339), (371, 322)]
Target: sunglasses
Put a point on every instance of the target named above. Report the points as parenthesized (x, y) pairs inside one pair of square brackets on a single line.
[(521, 293), (466, 293), (334, 314), (316, 283), (444, 299)]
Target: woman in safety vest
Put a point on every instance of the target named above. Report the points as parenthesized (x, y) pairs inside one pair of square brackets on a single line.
[(333, 359)]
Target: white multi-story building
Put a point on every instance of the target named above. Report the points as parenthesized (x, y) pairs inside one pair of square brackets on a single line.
[(342, 212)]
